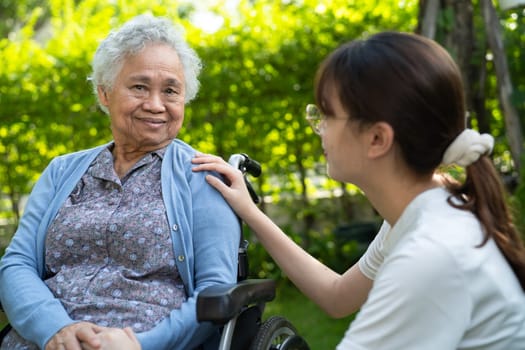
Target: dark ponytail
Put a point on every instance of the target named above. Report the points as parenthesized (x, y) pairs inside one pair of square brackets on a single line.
[(483, 194)]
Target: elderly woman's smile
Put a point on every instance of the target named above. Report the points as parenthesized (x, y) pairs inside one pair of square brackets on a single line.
[(152, 122)]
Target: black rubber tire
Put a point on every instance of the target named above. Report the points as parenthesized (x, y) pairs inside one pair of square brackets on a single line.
[(272, 333)]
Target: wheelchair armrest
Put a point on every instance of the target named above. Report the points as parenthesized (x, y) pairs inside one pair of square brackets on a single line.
[(221, 303)]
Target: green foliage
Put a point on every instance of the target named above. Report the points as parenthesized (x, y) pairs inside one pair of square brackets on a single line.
[(15, 14), (321, 229), (47, 103), (259, 76), (514, 25), (517, 202), (3, 320), (513, 22), (318, 329), (259, 69)]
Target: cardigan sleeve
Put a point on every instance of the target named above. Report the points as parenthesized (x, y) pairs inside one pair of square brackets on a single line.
[(206, 234), (23, 294)]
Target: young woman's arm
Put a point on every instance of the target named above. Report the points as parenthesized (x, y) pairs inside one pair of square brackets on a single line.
[(338, 295)]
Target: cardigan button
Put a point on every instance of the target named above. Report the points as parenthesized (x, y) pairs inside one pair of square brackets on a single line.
[(181, 258), (175, 227)]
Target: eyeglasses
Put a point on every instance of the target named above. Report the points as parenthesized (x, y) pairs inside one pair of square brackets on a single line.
[(314, 118)]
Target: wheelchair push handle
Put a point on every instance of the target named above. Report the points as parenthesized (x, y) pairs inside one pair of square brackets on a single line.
[(245, 164)]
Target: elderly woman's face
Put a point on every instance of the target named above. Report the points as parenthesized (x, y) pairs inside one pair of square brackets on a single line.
[(146, 102)]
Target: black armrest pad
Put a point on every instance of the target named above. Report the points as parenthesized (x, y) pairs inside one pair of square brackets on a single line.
[(220, 303)]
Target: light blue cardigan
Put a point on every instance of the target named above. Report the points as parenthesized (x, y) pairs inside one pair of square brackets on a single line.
[(204, 230)]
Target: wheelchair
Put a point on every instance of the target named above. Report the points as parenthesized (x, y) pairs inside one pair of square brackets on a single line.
[(238, 308)]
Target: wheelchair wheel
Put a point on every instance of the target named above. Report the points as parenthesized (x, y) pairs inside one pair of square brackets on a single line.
[(275, 334)]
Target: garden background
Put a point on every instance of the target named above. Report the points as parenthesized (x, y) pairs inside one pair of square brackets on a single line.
[(260, 58)]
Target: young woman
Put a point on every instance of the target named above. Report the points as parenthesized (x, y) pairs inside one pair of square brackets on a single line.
[(447, 269)]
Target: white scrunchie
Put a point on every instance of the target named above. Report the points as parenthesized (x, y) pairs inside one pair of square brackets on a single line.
[(468, 147)]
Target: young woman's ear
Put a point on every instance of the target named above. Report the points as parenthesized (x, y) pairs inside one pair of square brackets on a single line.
[(381, 139)]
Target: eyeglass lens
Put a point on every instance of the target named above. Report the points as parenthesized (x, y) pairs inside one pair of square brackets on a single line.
[(313, 115)]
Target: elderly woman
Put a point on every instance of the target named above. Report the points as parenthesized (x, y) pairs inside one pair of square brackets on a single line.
[(124, 234)]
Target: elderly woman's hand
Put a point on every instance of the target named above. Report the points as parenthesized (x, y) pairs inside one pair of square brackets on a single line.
[(70, 337), (115, 339)]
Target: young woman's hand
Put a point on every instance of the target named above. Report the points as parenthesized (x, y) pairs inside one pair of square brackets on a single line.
[(234, 188)]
